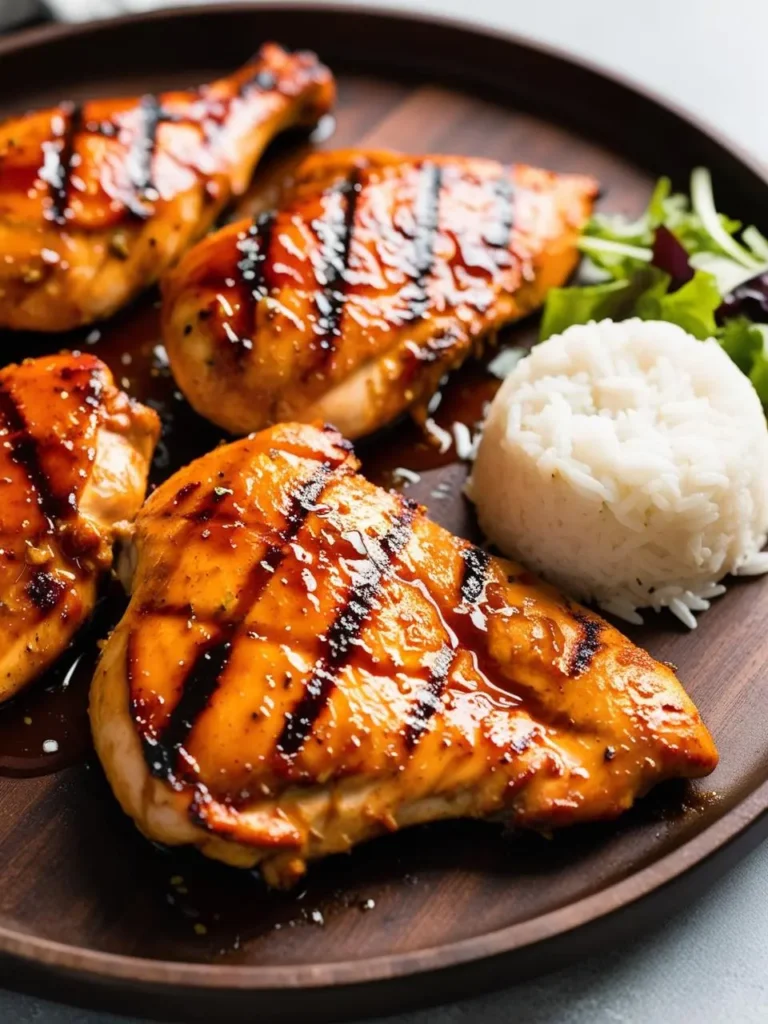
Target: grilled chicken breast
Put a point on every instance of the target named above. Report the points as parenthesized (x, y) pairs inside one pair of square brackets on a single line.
[(377, 274), (97, 200), (307, 661), (73, 469)]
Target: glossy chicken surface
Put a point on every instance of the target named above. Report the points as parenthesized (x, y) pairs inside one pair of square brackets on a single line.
[(98, 199), (73, 471), (307, 661), (377, 275)]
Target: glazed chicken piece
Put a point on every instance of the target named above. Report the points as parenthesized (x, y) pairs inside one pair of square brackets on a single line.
[(97, 200), (307, 661), (73, 470), (378, 274)]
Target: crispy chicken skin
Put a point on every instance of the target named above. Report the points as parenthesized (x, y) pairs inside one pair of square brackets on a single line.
[(75, 453), (377, 275), (307, 661), (97, 200)]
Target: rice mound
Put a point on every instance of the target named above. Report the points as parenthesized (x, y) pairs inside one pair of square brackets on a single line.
[(628, 464)]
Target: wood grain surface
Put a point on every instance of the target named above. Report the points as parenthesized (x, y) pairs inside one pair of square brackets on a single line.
[(88, 909)]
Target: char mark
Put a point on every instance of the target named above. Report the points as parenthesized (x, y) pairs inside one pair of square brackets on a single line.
[(163, 753), (252, 270), (58, 175), (498, 235), (303, 501), (335, 233), (142, 152), (198, 687), (472, 587), (343, 634), (45, 590), (429, 701), (587, 645), (25, 452), (255, 252), (474, 574), (426, 215)]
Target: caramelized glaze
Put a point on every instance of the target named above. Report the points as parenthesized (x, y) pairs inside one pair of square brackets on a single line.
[(98, 199), (131, 345), (308, 661), (74, 455), (375, 275)]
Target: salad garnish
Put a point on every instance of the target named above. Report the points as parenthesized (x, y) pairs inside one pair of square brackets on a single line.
[(681, 261)]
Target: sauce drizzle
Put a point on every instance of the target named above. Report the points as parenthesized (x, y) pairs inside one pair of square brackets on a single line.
[(344, 631), (163, 753)]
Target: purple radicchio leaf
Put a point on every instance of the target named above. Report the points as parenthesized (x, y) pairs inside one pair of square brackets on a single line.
[(670, 256), (749, 299)]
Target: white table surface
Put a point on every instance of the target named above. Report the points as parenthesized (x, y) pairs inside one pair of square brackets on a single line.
[(709, 965)]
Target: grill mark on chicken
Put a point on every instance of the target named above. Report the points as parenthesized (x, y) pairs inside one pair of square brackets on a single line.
[(471, 588), (255, 250), (468, 632), (335, 234), (474, 572), (587, 645), (460, 755), (252, 270), (344, 631), (498, 235), (142, 152), (426, 215), (62, 164), (431, 238), (139, 158), (26, 454), (135, 180), (202, 680), (197, 688), (429, 699)]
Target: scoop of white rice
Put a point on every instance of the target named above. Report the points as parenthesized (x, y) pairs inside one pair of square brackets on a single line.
[(627, 463)]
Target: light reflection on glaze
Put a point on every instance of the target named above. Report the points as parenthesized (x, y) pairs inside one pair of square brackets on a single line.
[(383, 274)]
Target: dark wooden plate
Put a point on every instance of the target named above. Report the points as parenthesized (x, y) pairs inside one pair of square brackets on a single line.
[(91, 912)]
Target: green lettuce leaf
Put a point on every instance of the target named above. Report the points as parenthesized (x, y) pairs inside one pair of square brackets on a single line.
[(759, 372), (695, 223), (619, 260), (720, 255), (611, 227), (614, 300), (691, 307), (747, 345), (742, 341), (645, 294)]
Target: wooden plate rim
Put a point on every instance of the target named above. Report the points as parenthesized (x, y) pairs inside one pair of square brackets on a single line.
[(47, 33), (392, 965), (722, 833)]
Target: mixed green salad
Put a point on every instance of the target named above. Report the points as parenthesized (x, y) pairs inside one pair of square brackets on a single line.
[(681, 261)]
